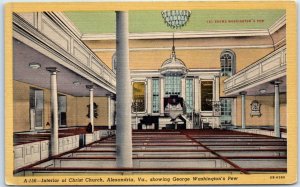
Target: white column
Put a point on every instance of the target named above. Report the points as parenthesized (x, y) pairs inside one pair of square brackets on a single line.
[(243, 94), (276, 109), (109, 111), (54, 111), (183, 88), (196, 95), (113, 110), (217, 96), (162, 95), (214, 89), (90, 87), (149, 96), (124, 92), (233, 111), (217, 88)]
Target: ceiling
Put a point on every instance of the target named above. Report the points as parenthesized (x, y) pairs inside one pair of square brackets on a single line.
[(23, 55), (268, 87), (100, 22)]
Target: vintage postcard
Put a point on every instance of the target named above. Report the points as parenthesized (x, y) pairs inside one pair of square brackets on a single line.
[(151, 93)]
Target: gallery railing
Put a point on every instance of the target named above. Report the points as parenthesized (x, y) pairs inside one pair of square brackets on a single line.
[(54, 36), (272, 65)]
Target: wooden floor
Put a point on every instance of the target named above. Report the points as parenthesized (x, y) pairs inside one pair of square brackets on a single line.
[(204, 151)]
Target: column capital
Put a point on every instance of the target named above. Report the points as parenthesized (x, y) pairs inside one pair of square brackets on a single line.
[(121, 11), (217, 76), (276, 82), (113, 97), (52, 69), (243, 93), (90, 87)]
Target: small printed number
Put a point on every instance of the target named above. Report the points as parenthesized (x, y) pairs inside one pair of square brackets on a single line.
[(277, 177)]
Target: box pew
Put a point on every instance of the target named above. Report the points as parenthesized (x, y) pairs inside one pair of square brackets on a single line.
[(36, 148), (253, 152), (244, 143), (245, 147), (143, 162), (152, 141), (96, 170), (240, 139), (90, 154), (97, 135), (159, 136), (146, 143), (143, 153), (260, 161), (231, 136), (261, 132), (147, 147), (28, 153), (68, 143)]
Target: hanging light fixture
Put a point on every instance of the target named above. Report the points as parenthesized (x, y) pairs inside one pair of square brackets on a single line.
[(176, 18), (34, 65), (173, 65)]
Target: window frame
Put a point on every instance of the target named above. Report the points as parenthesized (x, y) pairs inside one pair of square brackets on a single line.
[(33, 90), (229, 102), (191, 92), (59, 111), (158, 95), (201, 97), (233, 63)]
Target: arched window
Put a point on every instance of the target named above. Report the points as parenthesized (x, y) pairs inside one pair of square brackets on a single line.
[(114, 62), (227, 60)]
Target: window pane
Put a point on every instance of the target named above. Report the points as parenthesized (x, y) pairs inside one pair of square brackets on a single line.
[(39, 108), (172, 85), (62, 103), (155, 96), (226, 110), (62, 110), (226, 62)]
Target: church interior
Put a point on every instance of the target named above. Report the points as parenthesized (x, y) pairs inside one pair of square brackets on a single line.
[(192, 91)]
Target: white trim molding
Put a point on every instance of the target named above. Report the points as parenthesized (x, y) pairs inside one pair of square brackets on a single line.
[(177, 35), (186, 48), (278, 24), (64, 19)]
